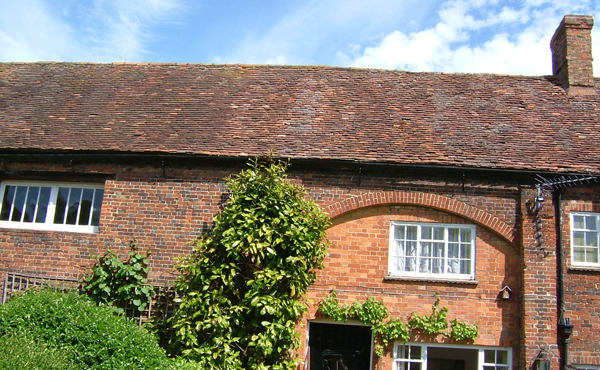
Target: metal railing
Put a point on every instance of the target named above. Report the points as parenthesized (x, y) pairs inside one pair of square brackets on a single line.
[(161, 307)]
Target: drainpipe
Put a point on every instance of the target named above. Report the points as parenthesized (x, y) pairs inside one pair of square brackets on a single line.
[(565, 328)]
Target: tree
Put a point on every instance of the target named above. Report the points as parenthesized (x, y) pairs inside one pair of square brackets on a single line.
[(242, 287)]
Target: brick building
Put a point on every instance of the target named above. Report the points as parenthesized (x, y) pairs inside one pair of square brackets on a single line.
[(479, 189)]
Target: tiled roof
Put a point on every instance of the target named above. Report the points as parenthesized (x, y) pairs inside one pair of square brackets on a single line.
[(472, 120)]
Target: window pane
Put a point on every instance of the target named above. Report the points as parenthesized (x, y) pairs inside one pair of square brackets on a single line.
[(502, 357), (97, 206), (425, 250), (86, 206), (438, 250), (19, 203), (465, 235), (579, 238), (438, 266), (400, 232), (30, 204), (453, 265), (73, 208), (579, 254), (438, 233), (7, 201), (489, 356), (43, 202), (61, 205), (403, 352), (578, 222), (453, 235), (411, 232), (411, 264), (591, 239), (465, 267), (453, 250), (591, 223), (426, 232), (465, 250), (415, 352), (399, 250), (591, 255), (411, 249)]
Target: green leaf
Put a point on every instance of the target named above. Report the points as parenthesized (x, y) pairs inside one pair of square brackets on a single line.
[(257, 296)]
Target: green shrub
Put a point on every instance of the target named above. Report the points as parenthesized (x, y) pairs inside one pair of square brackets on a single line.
[(120, 283), (91, 336), (242, 289), (21, 350)]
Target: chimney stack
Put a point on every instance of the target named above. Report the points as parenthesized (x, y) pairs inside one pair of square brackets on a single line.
[(571, 48)]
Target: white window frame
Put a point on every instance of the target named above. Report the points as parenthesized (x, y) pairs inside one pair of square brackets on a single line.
[(48, 224), (401, 363), (589, 236), (394, 256)]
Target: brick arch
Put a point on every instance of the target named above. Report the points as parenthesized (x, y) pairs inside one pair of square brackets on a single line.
[(425, 200)]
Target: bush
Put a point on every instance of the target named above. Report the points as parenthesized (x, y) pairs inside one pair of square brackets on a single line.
[(242, 289), (121, 284), (69, 326), (21, 350)]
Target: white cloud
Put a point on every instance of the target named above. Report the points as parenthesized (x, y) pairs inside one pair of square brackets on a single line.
[(70, 30), (308, 29), (29, 33), (124, 26), (517, 42)]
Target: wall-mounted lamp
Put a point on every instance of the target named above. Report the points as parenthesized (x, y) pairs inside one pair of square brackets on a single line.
[(539, 199), (505, 292), (542, 362)]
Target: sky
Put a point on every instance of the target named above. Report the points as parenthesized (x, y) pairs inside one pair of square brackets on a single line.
[(471, 36)]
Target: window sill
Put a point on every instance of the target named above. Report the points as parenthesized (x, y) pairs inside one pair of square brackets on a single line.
[(584, 268), (431, 280), (47, 227)]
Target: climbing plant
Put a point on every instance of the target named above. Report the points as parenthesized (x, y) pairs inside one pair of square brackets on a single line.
[(462, 331), (121, 283), (374, 313), (241, 290), (433, 324)]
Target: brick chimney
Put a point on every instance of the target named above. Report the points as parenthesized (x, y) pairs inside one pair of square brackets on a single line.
[(571, 48)]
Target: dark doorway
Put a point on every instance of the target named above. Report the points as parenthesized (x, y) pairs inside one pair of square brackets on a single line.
[(448, 358), (339, 347)]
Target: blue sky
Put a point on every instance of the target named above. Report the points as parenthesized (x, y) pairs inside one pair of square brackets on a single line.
[(491, 36)]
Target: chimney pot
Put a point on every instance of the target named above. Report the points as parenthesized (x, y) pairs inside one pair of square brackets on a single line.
[(571, 48)]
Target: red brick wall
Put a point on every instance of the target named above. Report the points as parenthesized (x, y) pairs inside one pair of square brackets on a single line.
[(582, 287), (164, 215), (539, 301), (165, 208), (358, 263)]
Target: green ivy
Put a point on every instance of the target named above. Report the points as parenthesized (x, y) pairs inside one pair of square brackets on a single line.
[(374, 313), (120, 283), (462, 331), (433, 324), (386, 332), (370, 313), (241, 290)]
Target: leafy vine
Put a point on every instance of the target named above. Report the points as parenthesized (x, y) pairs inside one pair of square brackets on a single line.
[(433, 324), (120, 283), (374, 313)]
